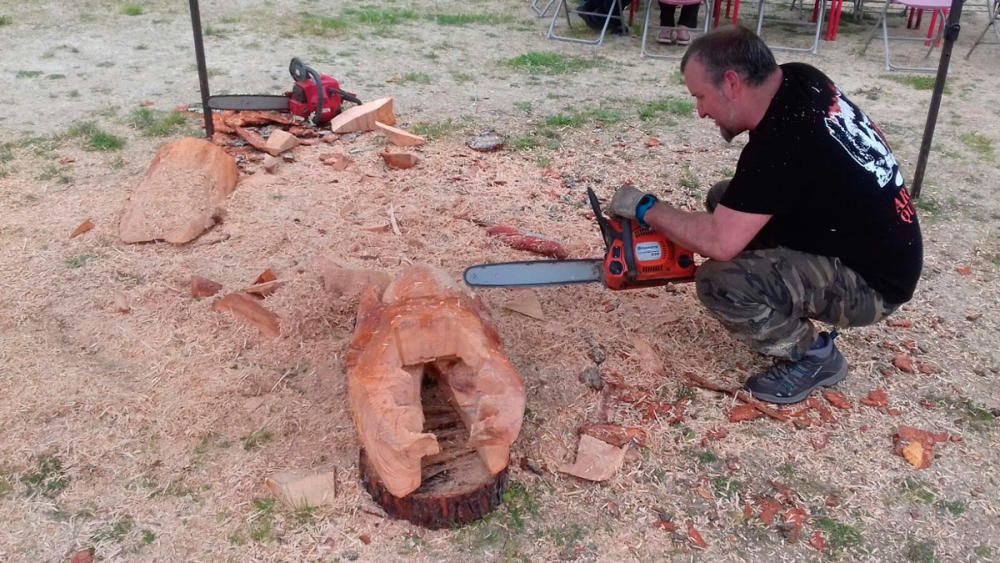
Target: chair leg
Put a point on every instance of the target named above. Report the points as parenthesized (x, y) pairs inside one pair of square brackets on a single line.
[(871, 34), (541, 12)]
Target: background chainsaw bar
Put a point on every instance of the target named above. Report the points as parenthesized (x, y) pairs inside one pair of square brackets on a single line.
[(536, 273)]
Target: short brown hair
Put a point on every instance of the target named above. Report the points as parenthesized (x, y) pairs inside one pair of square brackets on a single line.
[(732, 47)]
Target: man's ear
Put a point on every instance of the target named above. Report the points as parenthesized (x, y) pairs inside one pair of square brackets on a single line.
[(732, 84)]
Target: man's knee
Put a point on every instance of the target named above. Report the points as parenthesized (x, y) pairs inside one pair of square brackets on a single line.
[(715, 194)]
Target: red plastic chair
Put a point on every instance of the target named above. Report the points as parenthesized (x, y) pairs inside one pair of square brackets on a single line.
[(939, 10)]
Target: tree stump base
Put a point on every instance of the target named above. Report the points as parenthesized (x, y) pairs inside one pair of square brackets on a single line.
[(456, 486)]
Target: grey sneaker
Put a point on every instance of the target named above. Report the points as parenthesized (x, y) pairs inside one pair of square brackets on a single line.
[(791, 382)]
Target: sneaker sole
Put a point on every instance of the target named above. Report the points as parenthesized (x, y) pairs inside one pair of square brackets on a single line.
[(798, 398)]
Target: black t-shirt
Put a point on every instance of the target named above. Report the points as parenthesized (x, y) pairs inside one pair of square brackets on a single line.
[(826, 174)]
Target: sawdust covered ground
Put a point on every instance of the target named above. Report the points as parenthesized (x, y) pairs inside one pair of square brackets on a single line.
[(147, 435)]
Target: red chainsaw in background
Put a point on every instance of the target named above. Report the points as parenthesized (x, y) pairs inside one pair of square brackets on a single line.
[(635, 257), (315, 94)]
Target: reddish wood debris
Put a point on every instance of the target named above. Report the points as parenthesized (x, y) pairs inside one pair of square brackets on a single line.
[(916, 446), (717, 433), (899, 323), (695, 536), (963, 270), (817, 541), (744, 412), (769, 508), (876, 398), (614, 434), (837, 399), (244, 306), (82, 228), (665, 525), (203, 287), (252, 137), (795, 517), (903, 363), (528, 241)]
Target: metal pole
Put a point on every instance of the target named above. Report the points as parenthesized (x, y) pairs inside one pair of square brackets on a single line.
[(199, 53), (950, 36)]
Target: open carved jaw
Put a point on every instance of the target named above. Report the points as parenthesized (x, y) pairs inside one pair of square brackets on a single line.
[(424, 322)]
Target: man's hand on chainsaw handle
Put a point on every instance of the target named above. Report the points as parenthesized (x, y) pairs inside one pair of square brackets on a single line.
[(630, 202)]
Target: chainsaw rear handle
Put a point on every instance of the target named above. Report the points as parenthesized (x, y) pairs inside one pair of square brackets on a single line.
[(300, 71)]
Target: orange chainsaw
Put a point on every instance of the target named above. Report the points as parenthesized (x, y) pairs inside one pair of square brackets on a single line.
[(636, 256)]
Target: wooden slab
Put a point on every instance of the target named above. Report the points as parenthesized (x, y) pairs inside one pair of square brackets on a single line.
[(363, 117), (399, 137)]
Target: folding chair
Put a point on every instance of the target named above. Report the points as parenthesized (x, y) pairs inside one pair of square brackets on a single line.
[(819, 9), (993, 12), (939, 9), (643, 52), (541, 11), (563, 7)]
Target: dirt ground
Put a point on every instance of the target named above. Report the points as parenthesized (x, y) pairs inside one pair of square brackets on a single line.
[(147, 435)]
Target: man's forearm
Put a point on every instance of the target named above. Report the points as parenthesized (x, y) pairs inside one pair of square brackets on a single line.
[(694, 230)]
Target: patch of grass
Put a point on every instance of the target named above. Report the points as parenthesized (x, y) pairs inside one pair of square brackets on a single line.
[(321, 26), (55, 76), (260, 526), (928, 204), (55, 172), (953, 507), (689, 181), (973, 415), (148, 537), (132, 10), (500, 529), (670, 106), (920, 552), (155, 123), (839, 536), (381, 17), (418, 77), (471, 19), (257, 439), (5, 486), (917, 492), (537, 62), (28, 74), (543, 161), (524, 143), (49, 478), (705, 457), (979, 144), (115, 532), (786, 470), (6, 20), (460, 77), (80, 260), (916, 81), (95, 138), (984, 551), (725, 487), (212, 31), (434, 130), (565, 120)]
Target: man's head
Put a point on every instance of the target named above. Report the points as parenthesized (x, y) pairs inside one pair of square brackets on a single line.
[(726, 70)]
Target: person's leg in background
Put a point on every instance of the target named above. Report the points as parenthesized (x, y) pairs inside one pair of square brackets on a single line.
[(687, 21), (666, 34)]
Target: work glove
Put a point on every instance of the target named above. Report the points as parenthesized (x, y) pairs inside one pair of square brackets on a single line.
[(630, 202)]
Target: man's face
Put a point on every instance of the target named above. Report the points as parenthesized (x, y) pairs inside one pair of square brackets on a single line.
[(715, 101)]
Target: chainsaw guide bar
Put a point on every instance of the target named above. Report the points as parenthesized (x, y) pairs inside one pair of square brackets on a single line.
[(536, 273)]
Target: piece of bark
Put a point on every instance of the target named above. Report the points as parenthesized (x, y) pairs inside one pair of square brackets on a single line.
[(338, 161), (203, 287), (425, 321), (257, 118), (695, 537), (253, 138), (363, 117), (596, 460), (280, 141), (182, 194), (527, 304), (614, 434), (741, 413), (486, 142), (876, 398), (649, 358), (903, 363), (82, 228), (247, 308), (297, 489), (530, 242), (739, 394), (349, 283), (121, 302), (837, 399), (400, 160), (399, 137)]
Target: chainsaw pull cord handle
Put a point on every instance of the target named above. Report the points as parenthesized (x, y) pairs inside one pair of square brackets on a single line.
[(301, 71), (630, 272)]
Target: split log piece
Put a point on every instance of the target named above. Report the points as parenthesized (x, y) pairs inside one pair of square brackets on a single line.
[(399, 137), (247, 308), (280, 141), (530, 242), (363, 117)]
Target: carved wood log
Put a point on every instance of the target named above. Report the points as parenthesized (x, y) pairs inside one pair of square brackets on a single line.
[(424, 334)]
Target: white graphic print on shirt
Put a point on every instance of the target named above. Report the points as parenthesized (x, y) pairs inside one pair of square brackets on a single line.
[(862, 140)]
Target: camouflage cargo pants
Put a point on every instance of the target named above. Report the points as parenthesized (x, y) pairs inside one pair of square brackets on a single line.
[(768, 296)]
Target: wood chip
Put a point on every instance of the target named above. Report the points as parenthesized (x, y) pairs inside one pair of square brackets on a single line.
[(526, 303), (297, 489), (204, 287), (399, 137), (614, 434), (400, 160), (247, 308), (596, 460), (82, 228)]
